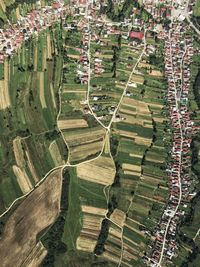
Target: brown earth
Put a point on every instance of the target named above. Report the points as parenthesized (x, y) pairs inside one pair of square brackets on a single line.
[(35, 213)]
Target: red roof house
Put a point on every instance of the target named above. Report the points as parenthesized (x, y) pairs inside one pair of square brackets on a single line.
[(56, 5), (137, 35)]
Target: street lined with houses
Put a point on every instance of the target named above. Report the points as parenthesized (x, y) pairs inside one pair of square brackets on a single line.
[(178, 54), (13, 36), (111, 110)]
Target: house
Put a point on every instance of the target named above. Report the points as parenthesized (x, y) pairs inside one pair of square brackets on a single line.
[(136, 35), (56, 5)]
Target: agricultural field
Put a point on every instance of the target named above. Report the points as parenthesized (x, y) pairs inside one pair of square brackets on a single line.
[(87, 206), (117, 185), (197, 9), (139, 192), (83, 135), (30, 142), (23, 226), (83, 145), (12, 9), (112, 62)]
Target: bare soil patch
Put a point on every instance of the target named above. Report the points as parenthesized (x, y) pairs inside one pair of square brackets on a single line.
[(38, 210)]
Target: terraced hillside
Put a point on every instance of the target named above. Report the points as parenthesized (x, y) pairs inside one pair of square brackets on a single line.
[(119, 190), (31, 144), (139, 192), (84, 141)]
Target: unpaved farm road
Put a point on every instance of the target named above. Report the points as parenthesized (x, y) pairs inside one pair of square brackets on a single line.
[(68, 164)]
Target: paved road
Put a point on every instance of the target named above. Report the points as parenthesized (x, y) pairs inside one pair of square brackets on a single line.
[(180, 163)]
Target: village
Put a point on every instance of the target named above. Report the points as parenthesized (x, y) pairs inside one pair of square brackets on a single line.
[(90, 64), (36, 21), (178, 54)]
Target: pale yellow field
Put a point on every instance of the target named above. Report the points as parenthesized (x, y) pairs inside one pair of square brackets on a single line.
[(3, 6), (35, 61), (85, 243), (128, 111), (138, 140), (131, 167), (101, 171), (111, 254), (118, 217), (44, 58), (52, 95), (4, 88), (143, 141), (137, 79), (55, 154), (92, 219), (141, 107), (129, 253), (156, 73), (107, 144), (136, 155), (150, 179), (91, 222), (115, 232), (72, 124), (105, 56), (75, 138), (135, 120), (73, 56), (17, 13), (18, 152), (144, 65), (94, 210), (84, 135), (81, 152), (41, 84), (36, 256), (38, 210), (157, 119), (49, 50), (22, 179), (152, 159)]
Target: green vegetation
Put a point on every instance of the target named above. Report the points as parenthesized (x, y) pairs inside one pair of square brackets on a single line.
[(122, 11), (9, 11), (140, 192), (29, 123), (52, 240), (197, 9), (102, 237), (188, 235), (73, 220)]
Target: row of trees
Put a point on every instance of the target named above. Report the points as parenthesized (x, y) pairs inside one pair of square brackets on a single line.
[(119, 14), (13, 6)]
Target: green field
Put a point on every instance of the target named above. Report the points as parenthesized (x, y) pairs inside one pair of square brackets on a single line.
[(197, 9)]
